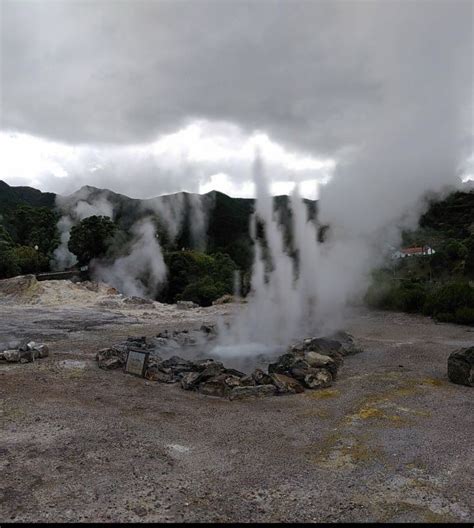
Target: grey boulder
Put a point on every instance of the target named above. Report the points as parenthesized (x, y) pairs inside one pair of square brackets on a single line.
[(461, 366)]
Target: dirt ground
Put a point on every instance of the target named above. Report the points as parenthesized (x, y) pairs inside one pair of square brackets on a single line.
[(390, 441)]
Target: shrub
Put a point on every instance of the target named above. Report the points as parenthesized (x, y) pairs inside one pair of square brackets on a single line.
[(203, 291), (411, 297), (445, 317), (406, 297), (195, 276), (464, 315), (448, 298), (456, 250)]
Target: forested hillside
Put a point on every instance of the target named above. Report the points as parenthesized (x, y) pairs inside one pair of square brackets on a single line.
[(440, 285), (436, 285)]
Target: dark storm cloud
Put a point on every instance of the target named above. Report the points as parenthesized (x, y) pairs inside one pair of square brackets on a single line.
[(321, 76)]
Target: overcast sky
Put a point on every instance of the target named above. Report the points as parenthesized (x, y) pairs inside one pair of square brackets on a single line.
[(151, 97)]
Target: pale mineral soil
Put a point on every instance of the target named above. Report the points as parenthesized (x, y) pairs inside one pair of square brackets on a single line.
[(390, 441)]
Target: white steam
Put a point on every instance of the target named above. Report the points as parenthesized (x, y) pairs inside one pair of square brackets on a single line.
[(142, 271), (414, 144), (176, 210), (284, 291), (198, 219), (76, 208)]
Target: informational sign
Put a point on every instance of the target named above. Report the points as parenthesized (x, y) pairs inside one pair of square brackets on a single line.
[(136, 363)]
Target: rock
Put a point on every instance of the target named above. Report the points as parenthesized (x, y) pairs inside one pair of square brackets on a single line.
[(322, 345), (177, 363), (214, 387), (12, 356), (22, 287), (153, 373), (111, 363), (188, 381), (40, 349), (286, 385), (202, 364), (122, 351), (316, 360), (154, 358), (234, 372), (285, 363), (318, 379), (227, 298), (24, 345), (208, 329), (138, 342), (137, 301), (339, 343), (213, 370), (348, 346), (239, 393), (299, 373), (461, 366), (261, 377), (186, 305), (110, 358), (232, 381), (247, 381), (27, 356)]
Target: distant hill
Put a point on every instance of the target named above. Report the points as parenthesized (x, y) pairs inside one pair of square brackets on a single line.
[(11, 197), (225, 219)]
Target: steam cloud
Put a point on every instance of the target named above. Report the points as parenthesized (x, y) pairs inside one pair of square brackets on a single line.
[(177, 209), (75, 208), (414, 145), (140, 272)]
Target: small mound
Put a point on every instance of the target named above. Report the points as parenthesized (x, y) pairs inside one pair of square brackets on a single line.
[(26, 289), (22, 289)]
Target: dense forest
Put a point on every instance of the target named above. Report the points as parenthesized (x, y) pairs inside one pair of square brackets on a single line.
[(439, 285)]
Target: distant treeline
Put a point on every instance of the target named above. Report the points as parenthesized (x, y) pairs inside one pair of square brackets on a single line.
[(437, 285)]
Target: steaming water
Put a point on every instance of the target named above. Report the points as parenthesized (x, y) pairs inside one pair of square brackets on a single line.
[(244, 357)]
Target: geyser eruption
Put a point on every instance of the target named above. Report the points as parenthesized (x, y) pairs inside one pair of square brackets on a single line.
[(283, 299)]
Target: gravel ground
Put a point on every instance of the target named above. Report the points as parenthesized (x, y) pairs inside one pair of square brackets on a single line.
[(390, 441)]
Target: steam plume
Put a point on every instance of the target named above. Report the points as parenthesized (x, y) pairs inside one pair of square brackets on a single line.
[(75, 208), (142, 270)]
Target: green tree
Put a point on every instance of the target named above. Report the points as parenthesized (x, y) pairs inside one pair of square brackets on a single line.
[(91, 238), (8, 262), (30, 260), (35, 226)]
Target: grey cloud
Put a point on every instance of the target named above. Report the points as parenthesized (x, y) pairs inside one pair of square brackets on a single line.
[(313, 73), (324, 76)]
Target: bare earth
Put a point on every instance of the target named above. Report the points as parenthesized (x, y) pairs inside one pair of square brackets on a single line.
[(390, 441)]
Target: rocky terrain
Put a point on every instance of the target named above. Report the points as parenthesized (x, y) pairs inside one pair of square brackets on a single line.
[(390, 440)]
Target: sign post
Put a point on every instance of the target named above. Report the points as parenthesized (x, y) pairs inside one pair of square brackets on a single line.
[(136, 363)]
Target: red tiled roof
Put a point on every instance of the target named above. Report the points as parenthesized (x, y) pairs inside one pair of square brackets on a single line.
[(412, 250)]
